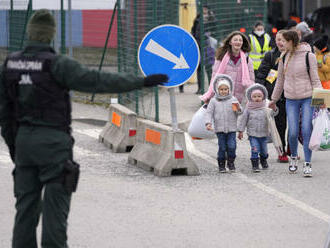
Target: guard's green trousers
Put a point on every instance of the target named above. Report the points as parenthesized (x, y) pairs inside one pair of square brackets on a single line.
[(31, 201)]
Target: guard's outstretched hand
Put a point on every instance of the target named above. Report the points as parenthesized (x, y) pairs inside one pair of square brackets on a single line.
[(155, 79)]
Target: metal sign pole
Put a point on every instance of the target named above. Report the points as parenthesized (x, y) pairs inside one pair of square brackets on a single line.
[(173, 109)]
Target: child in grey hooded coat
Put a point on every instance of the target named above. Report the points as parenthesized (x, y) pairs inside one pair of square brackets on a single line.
[(223, 109), (254, 119)]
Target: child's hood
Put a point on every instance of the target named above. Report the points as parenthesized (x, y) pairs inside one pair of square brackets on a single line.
[(256, 87), (216, 84)]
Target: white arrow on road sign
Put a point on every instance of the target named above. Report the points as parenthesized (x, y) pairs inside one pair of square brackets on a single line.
[(155, 48)]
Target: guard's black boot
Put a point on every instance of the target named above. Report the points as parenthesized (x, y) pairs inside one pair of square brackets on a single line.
[(263, 162), (231, 165), (222, 166), (255, 165)]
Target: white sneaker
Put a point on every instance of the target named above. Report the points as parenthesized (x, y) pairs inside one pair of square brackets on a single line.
[(307, 169), (293, 166)]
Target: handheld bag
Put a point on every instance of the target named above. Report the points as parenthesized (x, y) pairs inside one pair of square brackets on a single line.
[(197, 128), (273, 133), (320, 138)]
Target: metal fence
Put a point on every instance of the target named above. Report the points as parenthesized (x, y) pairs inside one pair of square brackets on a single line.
[(135, 19), (223, 17), (86, 35)]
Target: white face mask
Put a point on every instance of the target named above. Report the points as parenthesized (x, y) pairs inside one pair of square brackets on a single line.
[(259, 33)]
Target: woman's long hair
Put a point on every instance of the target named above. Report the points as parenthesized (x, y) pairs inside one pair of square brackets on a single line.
[(246, 47), (281, 32), (292, 35)]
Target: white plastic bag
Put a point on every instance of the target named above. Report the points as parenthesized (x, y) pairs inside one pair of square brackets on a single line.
[(320, 139), (274, 136), (197, 128)]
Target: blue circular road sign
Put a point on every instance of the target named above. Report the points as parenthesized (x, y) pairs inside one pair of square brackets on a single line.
[(171, 50)]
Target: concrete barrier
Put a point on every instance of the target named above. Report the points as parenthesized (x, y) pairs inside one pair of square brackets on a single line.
[(119, 134), (160, 149)]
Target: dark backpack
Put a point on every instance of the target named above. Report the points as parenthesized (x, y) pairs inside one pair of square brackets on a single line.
[(307, 63)]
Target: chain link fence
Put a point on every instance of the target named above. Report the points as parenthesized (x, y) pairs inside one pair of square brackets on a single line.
[(12, 14), (220, 18), (135, 19), (85, 35)]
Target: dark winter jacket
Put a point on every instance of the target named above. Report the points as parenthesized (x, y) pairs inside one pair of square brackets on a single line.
[(268, 63), (38, 143), (209, 28)]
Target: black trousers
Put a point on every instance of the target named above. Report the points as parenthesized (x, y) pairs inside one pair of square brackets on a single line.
[(281, 122), (31, 201)]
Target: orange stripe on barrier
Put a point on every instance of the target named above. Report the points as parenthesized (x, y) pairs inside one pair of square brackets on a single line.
[(153, 136), (116, 119)]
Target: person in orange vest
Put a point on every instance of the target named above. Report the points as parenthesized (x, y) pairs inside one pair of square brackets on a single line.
[(322, 53), (261, 43)]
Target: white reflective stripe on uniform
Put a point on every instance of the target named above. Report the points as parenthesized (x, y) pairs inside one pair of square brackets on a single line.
[(266, 43), (255, 59), (256, 46), (253, 43), (257, 53)]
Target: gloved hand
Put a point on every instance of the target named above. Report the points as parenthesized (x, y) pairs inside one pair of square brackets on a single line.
[(155, 79)]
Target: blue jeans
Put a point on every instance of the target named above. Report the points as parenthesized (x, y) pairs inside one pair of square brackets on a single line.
[(226, 143), (258, 147), (293, 110)]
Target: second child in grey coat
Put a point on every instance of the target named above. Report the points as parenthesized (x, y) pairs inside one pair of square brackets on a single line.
[(223, 109), (255, 120)]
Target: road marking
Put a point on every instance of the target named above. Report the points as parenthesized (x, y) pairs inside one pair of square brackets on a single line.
[(288, 199), (91, 132)]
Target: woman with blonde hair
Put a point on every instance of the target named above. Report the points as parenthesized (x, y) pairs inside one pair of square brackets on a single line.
[(232, 60), (267, 75)]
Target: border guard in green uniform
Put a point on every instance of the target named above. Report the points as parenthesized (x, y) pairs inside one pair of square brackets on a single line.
[(35, 118)]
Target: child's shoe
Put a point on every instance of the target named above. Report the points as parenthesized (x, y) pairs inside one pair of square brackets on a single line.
[(222, 166), (293, 166), (307, 169), (255, 165), (231, 165), (263, 162)]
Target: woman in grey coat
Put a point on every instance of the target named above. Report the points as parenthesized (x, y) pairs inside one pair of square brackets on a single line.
[(254, 119), (223, 109)]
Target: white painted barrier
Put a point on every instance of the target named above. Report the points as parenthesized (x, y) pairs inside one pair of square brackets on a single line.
[(119, 134), (160, 149)]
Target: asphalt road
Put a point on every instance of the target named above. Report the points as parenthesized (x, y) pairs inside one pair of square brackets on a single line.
[(119, 205)]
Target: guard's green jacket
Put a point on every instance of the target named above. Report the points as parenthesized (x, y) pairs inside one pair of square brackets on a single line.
[(39, 144)]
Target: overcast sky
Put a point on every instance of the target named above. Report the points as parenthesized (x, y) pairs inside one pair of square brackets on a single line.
[(56, 4)]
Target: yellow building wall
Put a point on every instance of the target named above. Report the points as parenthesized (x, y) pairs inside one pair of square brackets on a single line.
[(187, 14)]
